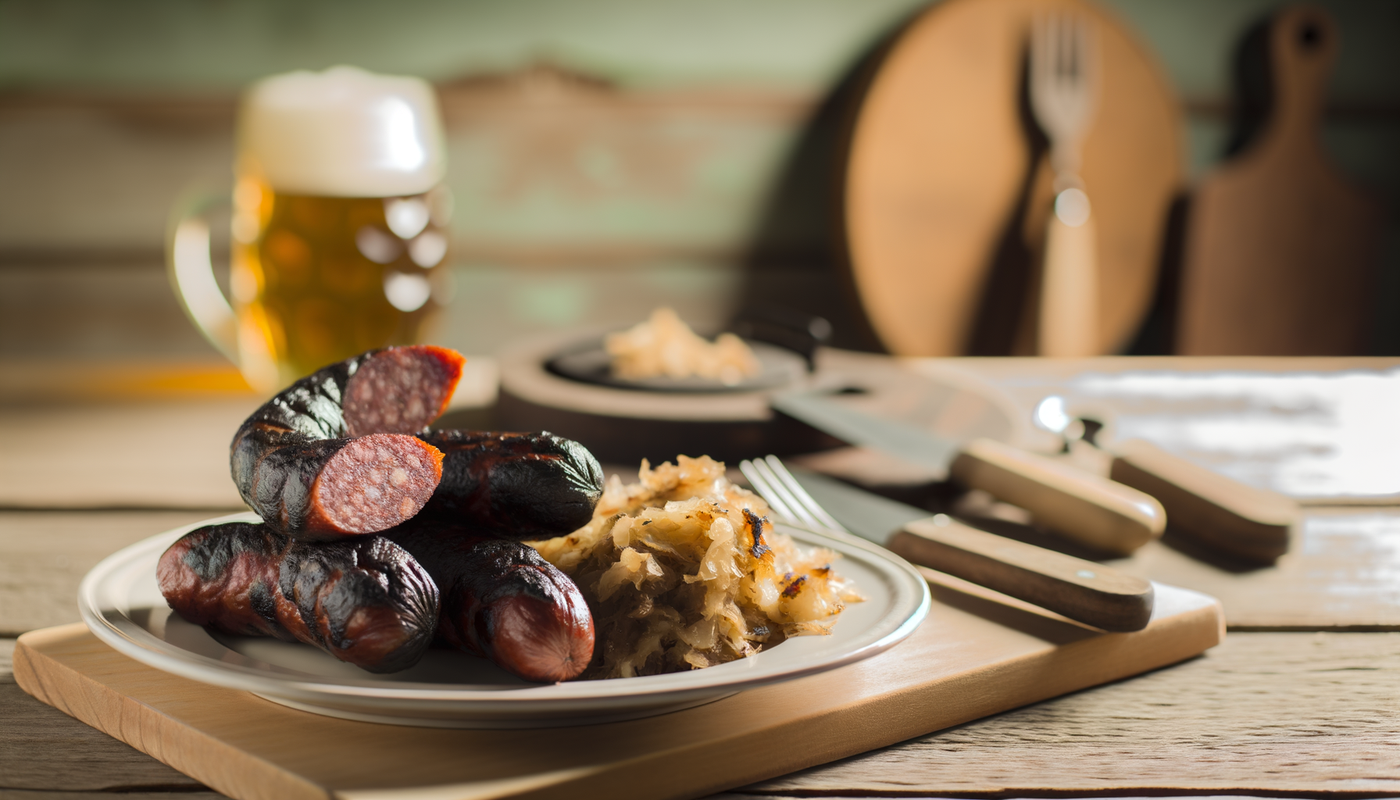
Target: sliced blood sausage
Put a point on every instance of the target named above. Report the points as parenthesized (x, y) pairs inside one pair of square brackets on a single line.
[(502, 600), (334, 455), (365, 601), (515, 485)]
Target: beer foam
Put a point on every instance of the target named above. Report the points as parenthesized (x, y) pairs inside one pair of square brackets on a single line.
[(343, 132)]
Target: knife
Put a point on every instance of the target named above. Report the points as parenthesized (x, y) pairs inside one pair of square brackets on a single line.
[(1081, 590), (1090, 509)]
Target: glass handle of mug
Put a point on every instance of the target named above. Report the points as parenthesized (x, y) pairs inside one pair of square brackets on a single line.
[(191, 270)]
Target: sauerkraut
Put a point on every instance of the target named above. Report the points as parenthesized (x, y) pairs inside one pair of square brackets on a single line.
[(682, 570), (664, 346)]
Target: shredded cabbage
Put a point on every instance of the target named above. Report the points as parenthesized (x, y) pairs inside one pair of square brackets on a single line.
[(682, 570)]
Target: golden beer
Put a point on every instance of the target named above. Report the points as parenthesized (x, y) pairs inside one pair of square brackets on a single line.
[(319, 279), (340, 225)]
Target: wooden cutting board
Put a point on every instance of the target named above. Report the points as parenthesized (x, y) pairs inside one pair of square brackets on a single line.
[(972, 657), (948, 187), (1281, 248)]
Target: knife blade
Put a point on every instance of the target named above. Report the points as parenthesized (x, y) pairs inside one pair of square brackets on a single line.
[(1087, 508), (1081, 590)]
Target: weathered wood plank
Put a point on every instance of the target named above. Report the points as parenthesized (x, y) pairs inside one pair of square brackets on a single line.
[(1342, 571), (136, 455), (1264, 712), (1318, 429), (47, 554)]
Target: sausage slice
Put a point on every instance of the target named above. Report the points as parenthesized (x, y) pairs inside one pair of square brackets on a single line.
[(334, 454)]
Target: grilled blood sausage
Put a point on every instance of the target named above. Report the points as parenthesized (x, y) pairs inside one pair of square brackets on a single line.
[(333, 454), (502, 600), (226, 577), (365, 601), (519, 486)]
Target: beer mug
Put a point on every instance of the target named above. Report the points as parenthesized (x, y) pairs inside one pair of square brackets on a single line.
[(339, 225)]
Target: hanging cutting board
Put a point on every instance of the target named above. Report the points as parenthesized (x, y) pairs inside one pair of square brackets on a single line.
[(947, 191), (1280, 250), (973, 656)]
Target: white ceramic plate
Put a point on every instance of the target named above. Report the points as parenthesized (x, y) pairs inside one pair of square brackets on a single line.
[(121, 603)]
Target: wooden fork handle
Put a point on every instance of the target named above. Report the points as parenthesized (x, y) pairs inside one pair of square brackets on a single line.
[(1069, 291), (1082, 590)]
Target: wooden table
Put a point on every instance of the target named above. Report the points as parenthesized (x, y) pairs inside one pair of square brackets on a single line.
[(1302, 699)]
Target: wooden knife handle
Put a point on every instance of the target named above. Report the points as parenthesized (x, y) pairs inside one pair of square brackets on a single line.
[(1216, 511), (1087, 508), (1081, 590)]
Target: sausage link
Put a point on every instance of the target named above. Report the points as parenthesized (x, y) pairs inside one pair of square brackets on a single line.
[(365, 601), (333, 454), (502, 600), (226, 576), (518, 486)]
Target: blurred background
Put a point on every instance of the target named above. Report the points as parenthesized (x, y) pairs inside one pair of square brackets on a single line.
[(606, 156)]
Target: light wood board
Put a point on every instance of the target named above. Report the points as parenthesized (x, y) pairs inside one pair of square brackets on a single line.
[(947, 197), (973, 657)]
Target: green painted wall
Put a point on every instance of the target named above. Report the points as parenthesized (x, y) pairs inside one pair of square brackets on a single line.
[(744, 180)]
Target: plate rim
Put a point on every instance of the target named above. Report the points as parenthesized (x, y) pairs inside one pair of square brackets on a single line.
[(595, 345), (117, 629)]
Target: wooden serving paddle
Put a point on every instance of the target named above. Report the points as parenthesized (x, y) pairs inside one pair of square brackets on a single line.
[(947, 184), (1280, 250)]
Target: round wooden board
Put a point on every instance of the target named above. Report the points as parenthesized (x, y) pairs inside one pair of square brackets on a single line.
[(942, 159)]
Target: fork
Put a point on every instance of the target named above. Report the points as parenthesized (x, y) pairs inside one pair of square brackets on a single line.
[(1064, 87), (1081, 590)]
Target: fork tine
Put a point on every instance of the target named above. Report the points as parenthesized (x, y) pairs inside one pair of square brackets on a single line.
[(804, 499), (1069, 33), (1088, 50), (759, 481), (799, 510)]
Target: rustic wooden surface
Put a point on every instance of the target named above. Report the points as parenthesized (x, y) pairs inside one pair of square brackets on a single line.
[(1263, 713), (1300, 700)]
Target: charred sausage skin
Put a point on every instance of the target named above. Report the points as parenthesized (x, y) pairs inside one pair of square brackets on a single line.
[(226, 576), (364, 601), (503, 601), (520, 486), (333, 455)]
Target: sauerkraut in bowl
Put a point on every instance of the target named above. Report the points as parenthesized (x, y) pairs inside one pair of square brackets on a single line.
[(682, 570)]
